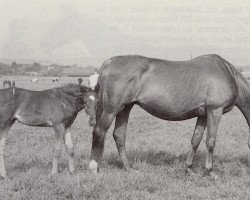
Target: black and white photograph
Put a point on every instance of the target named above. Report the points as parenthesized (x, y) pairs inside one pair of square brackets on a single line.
[(128, 100)]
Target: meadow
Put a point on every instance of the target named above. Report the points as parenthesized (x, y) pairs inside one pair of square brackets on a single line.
[(156, 148)]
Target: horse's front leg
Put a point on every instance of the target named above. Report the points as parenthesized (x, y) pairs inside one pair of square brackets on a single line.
[(99, 133), (70, 149), (59, 130)]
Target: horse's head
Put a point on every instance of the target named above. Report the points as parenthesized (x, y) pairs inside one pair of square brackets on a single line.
[(90, 106)]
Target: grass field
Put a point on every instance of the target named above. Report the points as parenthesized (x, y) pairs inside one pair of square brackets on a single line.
[(157, 148)]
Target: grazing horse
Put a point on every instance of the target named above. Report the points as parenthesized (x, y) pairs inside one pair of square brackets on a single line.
[(57, 108), (204, 87), (56, 80), (6, 84)]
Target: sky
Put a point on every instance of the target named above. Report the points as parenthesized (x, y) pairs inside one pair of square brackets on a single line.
[(87, 32)]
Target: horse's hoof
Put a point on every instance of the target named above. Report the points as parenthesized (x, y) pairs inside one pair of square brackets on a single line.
[(190, 172), (211, 174), (133, 171), (72, 172)]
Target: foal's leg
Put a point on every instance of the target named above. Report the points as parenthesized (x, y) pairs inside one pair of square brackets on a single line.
[(213, 119), (70, 149), (196, 139), (59, 132), (120, 134), (3, 134)]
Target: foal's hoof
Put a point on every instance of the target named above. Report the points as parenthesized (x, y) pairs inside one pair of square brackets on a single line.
[(53, 172), (4, 178), (93, 166)]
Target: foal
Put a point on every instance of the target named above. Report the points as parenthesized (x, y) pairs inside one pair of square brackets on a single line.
[(57, 108)]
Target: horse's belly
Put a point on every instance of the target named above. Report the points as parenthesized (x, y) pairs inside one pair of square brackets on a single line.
[(173, 113)]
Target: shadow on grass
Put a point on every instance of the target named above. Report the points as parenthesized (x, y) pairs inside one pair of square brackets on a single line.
[(164, 158), (27, 165), (154, 158)]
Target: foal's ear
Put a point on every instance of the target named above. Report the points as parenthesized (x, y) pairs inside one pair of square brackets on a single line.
[(79, 95)]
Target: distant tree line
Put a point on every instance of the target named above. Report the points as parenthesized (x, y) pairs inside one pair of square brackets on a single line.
[(34, 69)]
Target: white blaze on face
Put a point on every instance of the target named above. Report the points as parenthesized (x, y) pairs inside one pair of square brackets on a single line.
[(93, 166), (93, 81), (92, 97)]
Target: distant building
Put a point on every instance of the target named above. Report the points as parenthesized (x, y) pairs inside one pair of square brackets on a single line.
[(32, 73)]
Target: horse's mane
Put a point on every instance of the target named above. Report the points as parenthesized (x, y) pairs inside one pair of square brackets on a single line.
[(73, 89)]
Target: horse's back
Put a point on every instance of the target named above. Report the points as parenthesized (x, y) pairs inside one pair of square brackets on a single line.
[(167, 88)]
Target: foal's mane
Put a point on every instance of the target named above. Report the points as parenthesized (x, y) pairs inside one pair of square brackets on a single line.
[(73, 89)]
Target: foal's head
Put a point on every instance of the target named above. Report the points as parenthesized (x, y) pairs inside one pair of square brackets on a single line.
[(87, 98), (90, 100)]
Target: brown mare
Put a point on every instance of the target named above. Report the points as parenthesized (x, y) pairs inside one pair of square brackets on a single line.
[(205, 87), (57, 108)]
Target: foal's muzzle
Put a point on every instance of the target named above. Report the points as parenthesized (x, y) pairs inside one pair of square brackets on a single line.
[(92, 122)]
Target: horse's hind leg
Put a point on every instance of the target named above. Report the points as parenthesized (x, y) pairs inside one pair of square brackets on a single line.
[(120, 134), (59, 132), (196, 139), (213, 120), (70, 149), (3, 133)]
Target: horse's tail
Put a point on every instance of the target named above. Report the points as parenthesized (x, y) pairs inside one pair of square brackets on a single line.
[(240, 82)]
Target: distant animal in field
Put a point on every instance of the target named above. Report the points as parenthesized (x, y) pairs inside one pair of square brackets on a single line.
[(79, 81), (55, 80), (34, 80), (93, 80), (6, 84), (205, 87), (57, 108)]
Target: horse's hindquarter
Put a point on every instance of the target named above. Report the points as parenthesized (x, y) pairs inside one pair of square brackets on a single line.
[(172, 90)]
